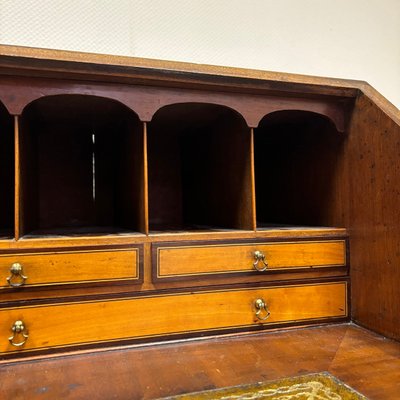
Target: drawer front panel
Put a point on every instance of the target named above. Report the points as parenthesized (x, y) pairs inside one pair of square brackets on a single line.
[(69, 324), (186, 261), (69, 267)]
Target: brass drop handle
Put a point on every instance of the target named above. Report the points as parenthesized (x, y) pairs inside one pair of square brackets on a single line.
[(17, 277), (262, 312), (19, 329), (259, 256)]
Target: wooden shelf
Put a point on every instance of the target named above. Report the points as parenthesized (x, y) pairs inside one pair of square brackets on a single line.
[(297, 164), (81, 165), (199, 168)]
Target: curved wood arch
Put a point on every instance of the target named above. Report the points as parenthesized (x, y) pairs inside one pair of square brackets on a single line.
[(302, 113), (145, 101), (252, 108), (86, 97), (191, 104), (331, 114), (17, 94)]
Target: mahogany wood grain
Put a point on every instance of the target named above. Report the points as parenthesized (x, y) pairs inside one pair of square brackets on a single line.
[(128, 164), (174, 260), (374, 149), (165, 177), (365, 361), (146, 102), (85, 322), (89, 66), (26, 167), (343, 172), (218, 174), (100, 67)]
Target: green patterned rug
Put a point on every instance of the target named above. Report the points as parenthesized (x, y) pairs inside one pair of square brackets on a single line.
[(323, 386)]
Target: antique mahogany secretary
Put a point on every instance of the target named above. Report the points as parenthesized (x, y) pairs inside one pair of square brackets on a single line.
[(145, 200)]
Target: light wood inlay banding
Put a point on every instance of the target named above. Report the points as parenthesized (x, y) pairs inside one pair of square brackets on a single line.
[(134, 318), (69, 267), (181, 260)]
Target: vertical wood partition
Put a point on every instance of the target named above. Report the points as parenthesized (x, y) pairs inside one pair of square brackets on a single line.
[(245, 185), (145, 208), (253, 182), (18, 215)]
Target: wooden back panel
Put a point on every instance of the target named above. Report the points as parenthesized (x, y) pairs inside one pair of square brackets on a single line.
[(298, 169), (199, 168), (81, 165), (6, 173)]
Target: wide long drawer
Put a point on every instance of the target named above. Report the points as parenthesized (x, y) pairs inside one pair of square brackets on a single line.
[(178, 261), (76, 266), (79, 323)]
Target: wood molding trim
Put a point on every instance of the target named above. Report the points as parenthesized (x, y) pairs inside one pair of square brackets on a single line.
[(48, 60)]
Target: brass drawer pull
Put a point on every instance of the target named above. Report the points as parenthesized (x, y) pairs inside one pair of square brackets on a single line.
[(19, 329), (17, 273), (259, 256), (262, 312)]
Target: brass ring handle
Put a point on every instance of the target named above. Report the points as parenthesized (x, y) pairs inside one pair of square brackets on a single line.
[(19, 329), (16, 270), (259, 256), (262, 312)]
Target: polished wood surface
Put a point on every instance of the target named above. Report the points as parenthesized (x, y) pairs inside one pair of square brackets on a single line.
[(137, 238), (361, 359), (147, 102), (122, 69), (89, 66), (176, 260), (86, 322), (374, 147), (74, 266), (248, 155)]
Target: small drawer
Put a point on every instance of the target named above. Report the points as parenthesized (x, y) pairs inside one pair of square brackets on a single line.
[(176, 261), (168, 315), (62, 267)]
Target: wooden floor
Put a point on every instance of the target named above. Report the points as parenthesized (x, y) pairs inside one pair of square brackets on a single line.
[(363, 360)]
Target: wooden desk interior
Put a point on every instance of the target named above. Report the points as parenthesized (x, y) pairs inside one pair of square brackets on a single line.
[(144, 201)]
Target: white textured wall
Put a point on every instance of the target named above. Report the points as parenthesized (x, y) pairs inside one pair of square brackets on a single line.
[(357, 39)]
